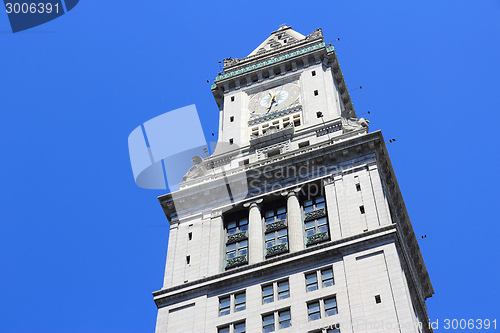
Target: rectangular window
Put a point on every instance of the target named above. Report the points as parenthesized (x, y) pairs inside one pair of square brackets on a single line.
[(284, 318), (327, 277), (232, 98), (358, 187), (239, 302), (224, 306), (314, 204), (313, 311), (231, 119), (268, 323), (267, 294), (239, 248), (311, 282), (313, 73), (362, 209), (283, 289), (331, 306), (275, 214), (239, 328), (231, 141), (333, 330), (190, 236), (315, 93)]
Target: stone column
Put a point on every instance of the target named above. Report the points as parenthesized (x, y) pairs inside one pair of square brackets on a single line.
[(255, 241), (294, 219)]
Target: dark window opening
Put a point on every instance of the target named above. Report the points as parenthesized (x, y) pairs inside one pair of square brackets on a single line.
[(362, 209), (231, 141), (303, 144), (188, 260), (231, 118), (377, 299), (296, 122), (315, 93), (245, 162), (273, 153), (190, 235), (358, 187), (232, 98), (313, 73)]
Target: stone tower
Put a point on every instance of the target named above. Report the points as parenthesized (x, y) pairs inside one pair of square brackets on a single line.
[(296, 223)]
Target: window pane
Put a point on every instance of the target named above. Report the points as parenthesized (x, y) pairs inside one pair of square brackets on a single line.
[(239, 328), (281, 211), (335, 330), (323, 228), (284, 318), (327, 274), (313, 307), (282, 232), (239, 301), (283, 286), (231, 247), (223, 329), (224, 306), (308, 203), (327, 277), (309, 225), (243, 243), (267, 294), (284, 315), (313, 311), (243, 222), (322, 221), (283, 290), (331, 306), (269, 214), (242, 251), (268, 323), (231, 228), (320, 199), (311, 278)]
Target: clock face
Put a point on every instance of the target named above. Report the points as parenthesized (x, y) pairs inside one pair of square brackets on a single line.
[(274, 99)]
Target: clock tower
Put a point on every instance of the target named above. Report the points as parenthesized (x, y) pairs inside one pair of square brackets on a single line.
[(296, 222)]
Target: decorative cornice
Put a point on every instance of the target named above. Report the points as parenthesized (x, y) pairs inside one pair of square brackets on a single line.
[(274, 115), (270, 61)]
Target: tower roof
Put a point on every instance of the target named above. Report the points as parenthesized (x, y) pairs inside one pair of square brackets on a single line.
[(281, 37)]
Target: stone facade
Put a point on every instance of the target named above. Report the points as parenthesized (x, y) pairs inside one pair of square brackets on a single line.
[(297, 188)]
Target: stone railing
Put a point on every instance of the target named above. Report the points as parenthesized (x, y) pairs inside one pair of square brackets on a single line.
[(317, 238), (315, 214), (276, 249), (237, 261), (237, 237), (281, 224)]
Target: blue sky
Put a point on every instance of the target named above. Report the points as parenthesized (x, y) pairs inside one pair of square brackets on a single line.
[(82, 247)]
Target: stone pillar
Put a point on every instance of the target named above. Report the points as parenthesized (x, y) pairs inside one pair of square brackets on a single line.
[(255, 240), (294, 219)]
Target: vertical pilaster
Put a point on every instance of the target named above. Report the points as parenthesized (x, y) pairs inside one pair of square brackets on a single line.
[(255, 242), (216, 239), (294, 219), (169, 269), (333, 213)]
